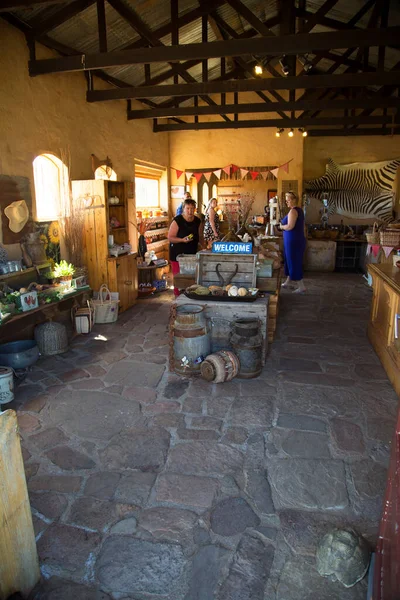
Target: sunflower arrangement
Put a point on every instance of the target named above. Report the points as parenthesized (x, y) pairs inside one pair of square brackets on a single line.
[(54, 232)]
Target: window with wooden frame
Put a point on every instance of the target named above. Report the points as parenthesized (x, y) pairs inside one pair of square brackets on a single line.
[(51, 180), (147, 186)]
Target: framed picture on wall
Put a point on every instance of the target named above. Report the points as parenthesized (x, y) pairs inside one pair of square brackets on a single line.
[(272, 194), (177, 191)]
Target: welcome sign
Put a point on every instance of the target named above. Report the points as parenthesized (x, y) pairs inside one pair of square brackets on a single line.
[(232, 247)]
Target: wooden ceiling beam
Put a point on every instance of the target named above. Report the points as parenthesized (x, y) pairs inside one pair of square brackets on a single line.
[(259, 107), (321, 12), (277, 46), (251, 124), (250, 17), (247, 85), (353, 132)]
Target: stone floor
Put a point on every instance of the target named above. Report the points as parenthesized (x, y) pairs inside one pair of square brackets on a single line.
[(146, 485)]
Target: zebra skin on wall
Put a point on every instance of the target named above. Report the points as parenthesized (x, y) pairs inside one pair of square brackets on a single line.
[(358, 190)]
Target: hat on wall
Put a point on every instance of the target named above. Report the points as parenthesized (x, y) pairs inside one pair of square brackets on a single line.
[(17, 214)]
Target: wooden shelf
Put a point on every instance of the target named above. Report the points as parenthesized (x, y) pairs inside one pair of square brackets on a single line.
[(154, 219), (37, 268), (158, 244), (152, 232), (117, 228)]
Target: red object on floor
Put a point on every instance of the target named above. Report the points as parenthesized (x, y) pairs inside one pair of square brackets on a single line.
[(175, 271), (386, 584)]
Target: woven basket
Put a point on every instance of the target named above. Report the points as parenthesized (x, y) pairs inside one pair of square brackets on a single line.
[(390, 237), (373, 237), (105, 307), (52, 338)]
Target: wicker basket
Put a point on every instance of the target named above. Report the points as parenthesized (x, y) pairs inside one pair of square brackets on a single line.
[(105, 306), (390, 237), (52, 338), (373, 237)]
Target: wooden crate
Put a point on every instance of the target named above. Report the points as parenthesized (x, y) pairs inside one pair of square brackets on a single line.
[(222, 315), (206, 273), (183, 281)]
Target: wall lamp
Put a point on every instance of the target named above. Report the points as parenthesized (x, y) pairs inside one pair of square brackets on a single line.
[(284, 66)]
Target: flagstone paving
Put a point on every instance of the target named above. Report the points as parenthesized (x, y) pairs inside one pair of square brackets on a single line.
[(147, 485)]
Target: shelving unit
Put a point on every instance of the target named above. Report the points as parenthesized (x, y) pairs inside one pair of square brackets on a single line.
[(161, 247), (119, 273)]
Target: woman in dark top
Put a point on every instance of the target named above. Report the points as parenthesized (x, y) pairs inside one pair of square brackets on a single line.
[(185, 234), (294, 243)]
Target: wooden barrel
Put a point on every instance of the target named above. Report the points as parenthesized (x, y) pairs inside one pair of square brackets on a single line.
[(220, 366)]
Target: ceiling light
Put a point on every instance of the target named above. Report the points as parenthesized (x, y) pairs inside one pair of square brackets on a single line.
[(284, 66), (303, 132), (258, 70), (279, 132), (307, 65), (290, 133)]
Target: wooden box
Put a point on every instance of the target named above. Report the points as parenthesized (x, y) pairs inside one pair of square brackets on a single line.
[(206, 273)]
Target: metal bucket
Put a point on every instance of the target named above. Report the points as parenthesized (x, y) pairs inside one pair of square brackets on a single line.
[(247, 343), (191, 338), (220, 366), (6, 385)]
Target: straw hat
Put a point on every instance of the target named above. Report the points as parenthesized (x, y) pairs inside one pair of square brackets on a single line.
[(17, 214)]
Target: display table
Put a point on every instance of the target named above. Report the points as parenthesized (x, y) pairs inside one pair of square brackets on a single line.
[(21, 326), (222, 314), (384, 325)]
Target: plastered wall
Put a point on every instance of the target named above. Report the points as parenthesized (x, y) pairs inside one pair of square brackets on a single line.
[(243, 147), (50, 112), (345, 150)]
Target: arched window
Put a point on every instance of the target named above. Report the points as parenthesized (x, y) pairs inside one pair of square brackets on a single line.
[(51, 185), (104, 172), (214, 192)]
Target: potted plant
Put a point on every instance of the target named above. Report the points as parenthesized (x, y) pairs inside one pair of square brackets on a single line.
[(64, 271)]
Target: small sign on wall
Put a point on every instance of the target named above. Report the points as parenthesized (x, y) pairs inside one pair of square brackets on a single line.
[(232, 247)]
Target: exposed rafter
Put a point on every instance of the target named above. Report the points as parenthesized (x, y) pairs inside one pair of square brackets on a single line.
[(247, 85), (7, 5), (277, 46)]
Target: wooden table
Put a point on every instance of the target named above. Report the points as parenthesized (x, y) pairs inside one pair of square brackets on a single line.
[(21, 326), (222, 314)]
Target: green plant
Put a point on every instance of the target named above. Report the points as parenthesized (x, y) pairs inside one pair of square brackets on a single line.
[(63, 269), (49, 275)]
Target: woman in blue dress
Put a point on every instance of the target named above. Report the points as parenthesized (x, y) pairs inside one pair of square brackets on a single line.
[(294, 243)]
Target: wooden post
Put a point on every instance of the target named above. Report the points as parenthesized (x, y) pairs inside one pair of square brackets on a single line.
[(19, 565)]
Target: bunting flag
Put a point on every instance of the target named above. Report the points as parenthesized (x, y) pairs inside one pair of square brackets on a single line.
[(178, 173), (275, 172), (189, 175), (217, 173), (387, 250), (243, 173), (234, 168), (207, 175), (375, 249), (264, 175), (227, 170), (198, 176), (285, 167), (254, 174)]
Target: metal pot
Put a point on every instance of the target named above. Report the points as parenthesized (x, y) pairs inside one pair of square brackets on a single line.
[(20, 354)]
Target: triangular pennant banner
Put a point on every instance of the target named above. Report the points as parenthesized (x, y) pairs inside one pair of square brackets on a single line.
[(189, 175), (254, 174), (207, 175), (285, 167), (178, 173), (275, 172), (375, 249), (227, 170), (198, 176), (264, 175), (243, 173), (217, 173), (234, 168), (387, 250)]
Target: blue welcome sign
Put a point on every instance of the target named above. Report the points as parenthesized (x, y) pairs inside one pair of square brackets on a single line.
[(232, 247)]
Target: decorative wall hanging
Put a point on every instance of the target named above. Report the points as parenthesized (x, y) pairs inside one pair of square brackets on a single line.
[(234, 172), (98, 162), (17, 214), (357, 190), (177, 191), (14, 189)]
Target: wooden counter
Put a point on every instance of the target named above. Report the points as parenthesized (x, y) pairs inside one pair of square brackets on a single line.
[(384, 325)]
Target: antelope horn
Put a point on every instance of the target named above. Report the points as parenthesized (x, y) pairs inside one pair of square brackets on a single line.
[(221, 279), (233, 274)]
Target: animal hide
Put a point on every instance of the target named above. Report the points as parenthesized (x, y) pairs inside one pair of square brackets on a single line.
[(357, 190)]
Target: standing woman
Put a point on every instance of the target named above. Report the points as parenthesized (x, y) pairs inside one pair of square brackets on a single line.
[(294, 243), (185, 233), (211, 225)]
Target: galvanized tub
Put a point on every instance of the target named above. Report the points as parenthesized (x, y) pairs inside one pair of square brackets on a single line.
[(19, 355), (192, 341), (247, 343)]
